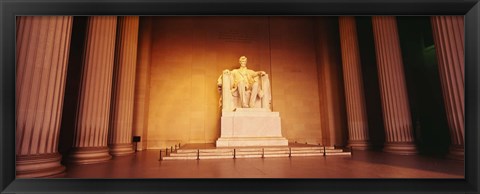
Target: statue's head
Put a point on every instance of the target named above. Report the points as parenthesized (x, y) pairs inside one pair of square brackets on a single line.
[(243, 61)]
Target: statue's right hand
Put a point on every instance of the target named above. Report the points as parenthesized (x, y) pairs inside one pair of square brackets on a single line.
[(226, 71)]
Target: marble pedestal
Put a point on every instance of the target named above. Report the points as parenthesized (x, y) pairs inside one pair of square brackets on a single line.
[(251, 127)]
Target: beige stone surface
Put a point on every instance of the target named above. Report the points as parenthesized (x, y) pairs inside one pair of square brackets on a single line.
[(251, 141), (246, 142), (251, 127), (295, 90)]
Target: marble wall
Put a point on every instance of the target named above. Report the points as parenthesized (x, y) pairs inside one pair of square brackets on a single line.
[(294, 78)]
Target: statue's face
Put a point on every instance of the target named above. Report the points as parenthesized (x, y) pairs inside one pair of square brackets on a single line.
[(243, 62)]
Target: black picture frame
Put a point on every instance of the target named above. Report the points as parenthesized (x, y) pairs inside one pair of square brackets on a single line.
[(11, 8)]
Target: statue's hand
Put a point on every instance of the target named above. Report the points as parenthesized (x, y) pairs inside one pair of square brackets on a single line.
[(262, 73), (226, 71)]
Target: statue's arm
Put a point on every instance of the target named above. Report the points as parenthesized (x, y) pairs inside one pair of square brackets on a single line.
[(260, 73), (257, 73)]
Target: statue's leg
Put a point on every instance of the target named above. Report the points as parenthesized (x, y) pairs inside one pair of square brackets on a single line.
[(253, 95), (241, 92)]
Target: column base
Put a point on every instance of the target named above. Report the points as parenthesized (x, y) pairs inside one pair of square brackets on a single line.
[(402, 148), (121, 149), (359, 144), (42, 165), (456, 152), (89, 155)]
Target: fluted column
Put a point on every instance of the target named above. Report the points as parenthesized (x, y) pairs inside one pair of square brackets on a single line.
[(120, 134), (448, 33), (393, 90), (91, 130), (142, 81), (43, 44), (352, 76)]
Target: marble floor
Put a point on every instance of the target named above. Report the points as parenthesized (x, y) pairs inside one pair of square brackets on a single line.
[(362, 164)]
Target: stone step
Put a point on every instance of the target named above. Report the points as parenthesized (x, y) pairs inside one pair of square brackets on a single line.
[(182, 154), (333, 151), (259, 154), (277, 152), (275, 155), (260, 149), (216, 154), (248, 150), (201, 154), (266, 152), (307, 151), (216, 157), (203, 150), (248, 153), (316, 151), (306, 154), (179, 158), (314, 148), (339, 154), (254, 152), (254, 149), (265, 155), (249, 156), (214, 151)]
